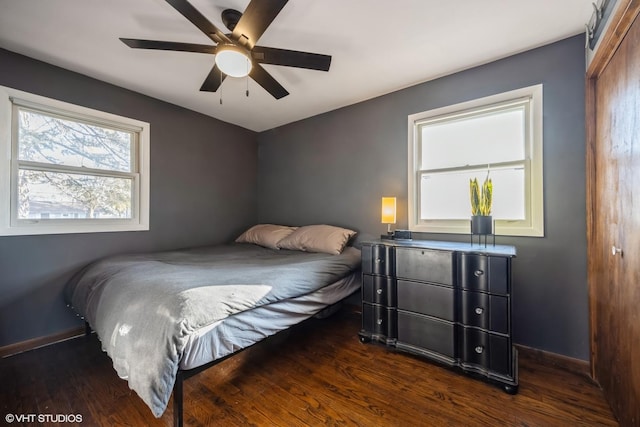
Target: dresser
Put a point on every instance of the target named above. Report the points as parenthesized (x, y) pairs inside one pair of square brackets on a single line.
[(447, 302)]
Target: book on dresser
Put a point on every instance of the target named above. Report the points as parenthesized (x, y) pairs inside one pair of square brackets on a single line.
[(447, 302)]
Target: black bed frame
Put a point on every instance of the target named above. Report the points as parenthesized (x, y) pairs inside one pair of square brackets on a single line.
[(181, 375), (184, 374)]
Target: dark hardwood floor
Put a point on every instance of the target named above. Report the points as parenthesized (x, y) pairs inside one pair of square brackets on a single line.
[(315, 374)]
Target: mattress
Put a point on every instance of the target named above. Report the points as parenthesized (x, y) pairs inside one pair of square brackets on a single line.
[(248, 327)]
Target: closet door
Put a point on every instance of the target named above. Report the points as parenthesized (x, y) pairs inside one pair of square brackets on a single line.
[(615, 230)]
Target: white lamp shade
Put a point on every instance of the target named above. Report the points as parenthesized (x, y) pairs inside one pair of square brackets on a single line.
[(388, 210), (233, 61)]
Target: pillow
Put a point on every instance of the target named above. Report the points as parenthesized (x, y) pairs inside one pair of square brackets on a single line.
[(267, 235), (317, 238)]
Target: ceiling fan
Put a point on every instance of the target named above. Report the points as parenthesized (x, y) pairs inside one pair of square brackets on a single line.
[(237, 54)]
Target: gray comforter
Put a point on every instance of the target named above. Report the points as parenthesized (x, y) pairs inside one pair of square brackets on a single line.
[(144, 307)]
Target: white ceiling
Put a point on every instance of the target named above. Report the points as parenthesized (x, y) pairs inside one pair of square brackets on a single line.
[(377, 46)]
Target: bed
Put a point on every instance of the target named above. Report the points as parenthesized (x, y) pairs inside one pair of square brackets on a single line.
[(162, 317)]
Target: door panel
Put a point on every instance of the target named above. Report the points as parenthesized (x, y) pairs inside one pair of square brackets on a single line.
[(615, 276)]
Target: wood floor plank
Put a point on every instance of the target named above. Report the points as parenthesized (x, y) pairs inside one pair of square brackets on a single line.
[(316, 374)]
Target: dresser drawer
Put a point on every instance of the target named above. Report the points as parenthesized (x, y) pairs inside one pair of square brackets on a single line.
[(377, 259), (379, 290), (483, 273), (422, 298), (379, 320), (425, 265), (427, 333), (485, 311), (485, 350)]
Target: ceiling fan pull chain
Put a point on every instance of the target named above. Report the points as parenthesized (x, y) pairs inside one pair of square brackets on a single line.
[(220, 87), (247, 79)]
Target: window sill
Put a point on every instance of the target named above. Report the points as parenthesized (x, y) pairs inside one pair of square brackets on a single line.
[(37, 229), (528, 231)]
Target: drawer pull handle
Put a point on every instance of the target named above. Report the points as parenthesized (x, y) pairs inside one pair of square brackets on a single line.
[(478, 273), (479, 349), (379, 321), (379, 291), (479, 310), (379, 261)]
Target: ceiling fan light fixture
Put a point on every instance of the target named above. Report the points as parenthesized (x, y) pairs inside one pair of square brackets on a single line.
[(233, 60), (234, 51)]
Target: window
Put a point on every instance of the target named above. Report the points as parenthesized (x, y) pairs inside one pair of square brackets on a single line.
[(500, 135), (70, 169)]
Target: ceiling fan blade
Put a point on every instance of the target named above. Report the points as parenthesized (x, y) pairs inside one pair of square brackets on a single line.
[(196, 18), (254, 21), (291, 58), (264, 79), (213, 80), (161, 45)]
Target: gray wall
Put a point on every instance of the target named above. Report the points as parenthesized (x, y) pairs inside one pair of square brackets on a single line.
[(334, 168), (203, 191), (331, 168)]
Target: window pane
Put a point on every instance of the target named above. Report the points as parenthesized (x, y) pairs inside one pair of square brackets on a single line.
[(47, 139), (446, 195), (482, 139), (52, 195)]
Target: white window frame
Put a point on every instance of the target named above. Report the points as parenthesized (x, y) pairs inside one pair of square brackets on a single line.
[(533, 224), (10, 101)]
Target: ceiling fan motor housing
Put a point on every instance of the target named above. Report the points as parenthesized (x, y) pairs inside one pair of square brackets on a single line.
[(230, 18)]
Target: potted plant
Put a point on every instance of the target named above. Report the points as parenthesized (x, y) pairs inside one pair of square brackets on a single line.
[(481, 199)]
